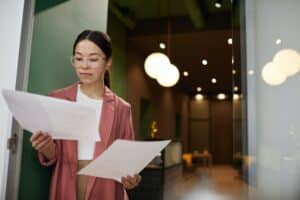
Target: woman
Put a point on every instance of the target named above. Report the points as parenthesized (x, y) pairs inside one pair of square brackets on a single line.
[(92, 57)]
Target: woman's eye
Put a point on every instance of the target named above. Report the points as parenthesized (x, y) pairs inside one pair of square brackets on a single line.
[(93, 59), (78, 59)]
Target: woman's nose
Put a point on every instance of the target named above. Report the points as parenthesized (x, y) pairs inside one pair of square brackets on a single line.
[(85, 63)]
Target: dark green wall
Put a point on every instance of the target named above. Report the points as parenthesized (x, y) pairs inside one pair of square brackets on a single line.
[(35, 179), (117, 32)]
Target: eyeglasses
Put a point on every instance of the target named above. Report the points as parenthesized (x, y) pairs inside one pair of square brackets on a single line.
[(94, 61)]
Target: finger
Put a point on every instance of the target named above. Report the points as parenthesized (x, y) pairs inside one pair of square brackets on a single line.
[(40, 139), (122, 179), (44, 144), (139, 178), (126, 183), (35, 135), (38, 135), (128, 186), (131, 182), (48, 145), (37, 140), (136, 179), (51, 144)]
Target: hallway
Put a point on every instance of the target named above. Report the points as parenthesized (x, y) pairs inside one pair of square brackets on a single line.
[(221, 183)]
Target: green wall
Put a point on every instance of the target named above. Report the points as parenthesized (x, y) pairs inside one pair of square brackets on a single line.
[(55, 30), (117, 32)]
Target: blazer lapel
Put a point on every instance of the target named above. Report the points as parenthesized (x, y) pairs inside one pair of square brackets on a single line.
[(106, 123)]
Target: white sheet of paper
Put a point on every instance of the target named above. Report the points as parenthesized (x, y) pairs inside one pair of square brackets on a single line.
[(124, 157), (62, 119)]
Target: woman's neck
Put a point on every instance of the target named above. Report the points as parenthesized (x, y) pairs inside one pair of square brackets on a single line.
[(94, 90)]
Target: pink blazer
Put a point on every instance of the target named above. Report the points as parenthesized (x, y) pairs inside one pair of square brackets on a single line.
[(116, 122)]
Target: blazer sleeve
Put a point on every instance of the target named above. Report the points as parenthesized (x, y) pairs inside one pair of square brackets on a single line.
[(128, 125)]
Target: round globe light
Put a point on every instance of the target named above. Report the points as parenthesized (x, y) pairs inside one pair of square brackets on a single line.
[(272, 75), (287, 61), (168, 75), (199, 97), (154, 62), (221, 96), (236, 96)]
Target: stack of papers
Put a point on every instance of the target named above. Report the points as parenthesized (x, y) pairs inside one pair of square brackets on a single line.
[(67, 120), (60, 118), (123, 158)]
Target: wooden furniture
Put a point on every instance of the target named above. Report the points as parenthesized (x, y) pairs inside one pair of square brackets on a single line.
[(205, 157)]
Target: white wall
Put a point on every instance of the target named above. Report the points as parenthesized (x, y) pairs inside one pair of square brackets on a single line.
[(273, 112), (11, 14)]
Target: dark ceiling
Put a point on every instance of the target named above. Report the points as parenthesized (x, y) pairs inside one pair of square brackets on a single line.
[(197, 30)]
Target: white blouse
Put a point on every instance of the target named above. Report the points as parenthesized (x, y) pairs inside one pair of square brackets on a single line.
[(86, 148)]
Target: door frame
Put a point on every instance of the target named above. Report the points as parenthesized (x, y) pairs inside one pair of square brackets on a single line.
[(15, 154)]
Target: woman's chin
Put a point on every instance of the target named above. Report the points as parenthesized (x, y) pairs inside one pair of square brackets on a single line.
[(87, 81)]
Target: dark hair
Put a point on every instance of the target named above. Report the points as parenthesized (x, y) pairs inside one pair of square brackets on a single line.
[(103, 41)]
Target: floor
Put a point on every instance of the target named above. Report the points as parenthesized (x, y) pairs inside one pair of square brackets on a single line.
[(219, 183)]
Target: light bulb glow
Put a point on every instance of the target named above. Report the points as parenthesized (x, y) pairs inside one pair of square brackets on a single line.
[(221, 96), (162, 45), (229, 41), (272, 76), (204, 62), (168, 76), (185, 73), (218, 5), (251, 72), (287, 61), (154, 62), (199, 97), (278, 41), (236, 96)]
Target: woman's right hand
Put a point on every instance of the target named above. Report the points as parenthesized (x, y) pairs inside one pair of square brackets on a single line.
[(43, 143)]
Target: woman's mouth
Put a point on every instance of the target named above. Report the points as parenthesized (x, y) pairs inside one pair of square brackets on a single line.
[(85, 74)]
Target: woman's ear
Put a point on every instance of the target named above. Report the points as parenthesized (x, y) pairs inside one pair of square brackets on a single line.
[(108, 63)]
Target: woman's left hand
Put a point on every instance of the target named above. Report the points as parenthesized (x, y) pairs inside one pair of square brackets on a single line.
[(131, 182)]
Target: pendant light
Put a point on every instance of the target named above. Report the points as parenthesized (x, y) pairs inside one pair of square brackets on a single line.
[(158, 66)]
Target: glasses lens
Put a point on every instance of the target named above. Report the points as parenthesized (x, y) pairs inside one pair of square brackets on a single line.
[(92, 62)]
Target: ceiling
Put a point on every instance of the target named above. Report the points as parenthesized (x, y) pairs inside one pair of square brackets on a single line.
[(198, 30)]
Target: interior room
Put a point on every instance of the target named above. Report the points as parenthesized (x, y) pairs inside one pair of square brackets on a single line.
[(218, 78), (197, 107), (201, 113)]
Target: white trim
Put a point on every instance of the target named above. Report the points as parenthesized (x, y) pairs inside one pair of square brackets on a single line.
[(11, 14), (15, 159)]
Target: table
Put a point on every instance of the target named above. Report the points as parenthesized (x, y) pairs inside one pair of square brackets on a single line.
[(205, 157)]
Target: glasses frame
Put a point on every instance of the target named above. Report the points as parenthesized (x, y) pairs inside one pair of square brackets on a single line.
[(89, 63)]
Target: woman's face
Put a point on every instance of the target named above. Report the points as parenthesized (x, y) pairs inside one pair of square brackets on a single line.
[(90, 62)]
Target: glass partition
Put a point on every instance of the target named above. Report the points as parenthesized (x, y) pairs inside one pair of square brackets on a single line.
[(269, 97)]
